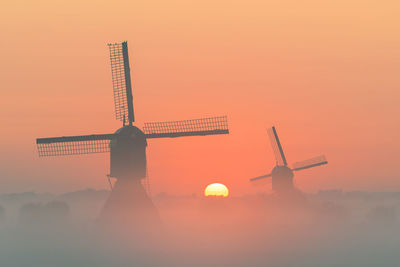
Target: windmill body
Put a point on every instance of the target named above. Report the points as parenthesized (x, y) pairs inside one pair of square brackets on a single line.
[(128, 153), (282, 175), (128, 202), (282, 179)]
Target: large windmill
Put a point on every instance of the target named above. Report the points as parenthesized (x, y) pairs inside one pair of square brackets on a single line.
[(127, 146), (281, 174)]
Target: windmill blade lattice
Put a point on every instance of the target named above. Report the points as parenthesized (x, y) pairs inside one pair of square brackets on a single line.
[(73, 145), (121, 79), (277, 147), (260, 177), (310, 163), (205, 126)]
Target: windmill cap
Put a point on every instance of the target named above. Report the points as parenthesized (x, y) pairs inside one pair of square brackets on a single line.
[(130, 132)]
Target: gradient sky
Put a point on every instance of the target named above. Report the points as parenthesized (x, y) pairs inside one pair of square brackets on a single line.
[(325, 73)]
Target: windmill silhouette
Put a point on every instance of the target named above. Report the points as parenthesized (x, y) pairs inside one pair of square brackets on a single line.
[(281, 174), (127, 146)]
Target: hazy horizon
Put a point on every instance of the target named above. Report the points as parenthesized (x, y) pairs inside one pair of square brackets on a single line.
[(330, 229)]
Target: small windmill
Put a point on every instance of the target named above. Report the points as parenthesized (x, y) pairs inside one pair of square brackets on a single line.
[(281, 174), (127, 146)]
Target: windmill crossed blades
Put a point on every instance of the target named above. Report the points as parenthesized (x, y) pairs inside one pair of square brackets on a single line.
[(281, 174), (127, 146)]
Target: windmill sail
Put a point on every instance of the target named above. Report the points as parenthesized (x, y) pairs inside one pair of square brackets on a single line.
[(310, 163), (74, 145), (121, 79), (277, 147), (205, 126), (260, 177)]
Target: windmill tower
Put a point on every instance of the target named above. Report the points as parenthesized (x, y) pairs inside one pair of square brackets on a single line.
[(128, 201), (281, 174)]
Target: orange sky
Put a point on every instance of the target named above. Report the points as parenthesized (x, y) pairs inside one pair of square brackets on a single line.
[(325, 73)]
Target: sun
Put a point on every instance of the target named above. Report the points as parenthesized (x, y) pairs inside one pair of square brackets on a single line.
[(216, 190)]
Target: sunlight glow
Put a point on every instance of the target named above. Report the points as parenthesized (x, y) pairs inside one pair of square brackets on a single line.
[(216, 190)]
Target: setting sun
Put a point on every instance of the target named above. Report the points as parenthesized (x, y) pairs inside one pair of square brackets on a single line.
[(216, 190)]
